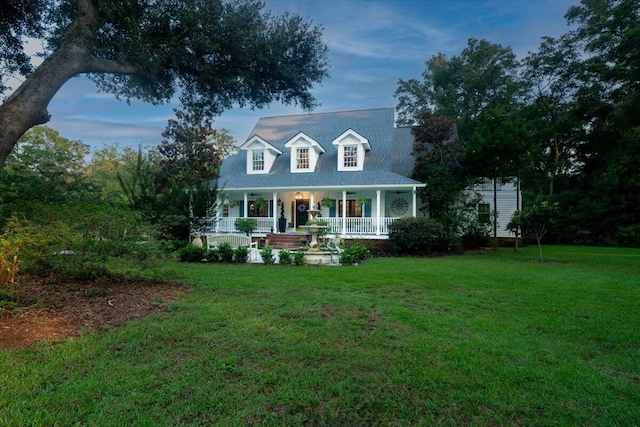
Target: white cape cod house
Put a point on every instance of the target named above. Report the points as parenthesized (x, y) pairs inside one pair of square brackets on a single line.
[(353, 166)]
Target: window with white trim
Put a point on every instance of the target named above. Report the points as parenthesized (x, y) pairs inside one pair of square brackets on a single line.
[(351, 148), (302, 158), (258, 160), (484, 213), (354, 209), (350, 156)]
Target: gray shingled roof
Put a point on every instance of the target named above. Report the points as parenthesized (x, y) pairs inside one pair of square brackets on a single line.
[(388, 163)]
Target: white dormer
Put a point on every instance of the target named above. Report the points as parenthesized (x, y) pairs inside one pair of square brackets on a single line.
[(351, 149), (305, 152), (260, 155)]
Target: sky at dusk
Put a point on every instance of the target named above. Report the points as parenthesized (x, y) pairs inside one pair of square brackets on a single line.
[(371, 44)]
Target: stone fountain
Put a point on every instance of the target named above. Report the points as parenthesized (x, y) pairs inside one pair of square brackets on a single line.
[(314, 255), (314, 229)]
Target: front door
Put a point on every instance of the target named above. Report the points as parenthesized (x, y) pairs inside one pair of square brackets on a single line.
[(301, 212)]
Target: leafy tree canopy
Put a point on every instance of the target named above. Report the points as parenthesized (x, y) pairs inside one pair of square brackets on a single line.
[(44, 168), (212, 54)]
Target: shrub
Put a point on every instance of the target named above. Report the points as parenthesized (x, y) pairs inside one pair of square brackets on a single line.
[(213, 255), (285, 257), (298, 257), (192, 253), (416, 235), (475, 235), (268, 257), (225, 252), (358, 250), (241, 254), (354, 254), (82, 244), (246, 225), (376, 247)]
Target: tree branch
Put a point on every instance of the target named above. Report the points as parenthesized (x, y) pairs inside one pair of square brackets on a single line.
[(100, 65)]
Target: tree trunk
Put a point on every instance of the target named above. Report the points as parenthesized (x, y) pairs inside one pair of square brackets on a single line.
[(27, 106), (540, 248), (495, 214), (517, 205)]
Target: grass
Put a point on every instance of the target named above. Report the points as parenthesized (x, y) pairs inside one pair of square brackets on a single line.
[(495, 339)]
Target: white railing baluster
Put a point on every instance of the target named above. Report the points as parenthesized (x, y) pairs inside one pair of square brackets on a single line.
[(355, 225)]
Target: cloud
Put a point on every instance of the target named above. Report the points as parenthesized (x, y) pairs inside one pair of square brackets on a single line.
[(98, 133), (372, 44)]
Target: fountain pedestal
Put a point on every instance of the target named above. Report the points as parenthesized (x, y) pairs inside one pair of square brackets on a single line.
[(315, 256)]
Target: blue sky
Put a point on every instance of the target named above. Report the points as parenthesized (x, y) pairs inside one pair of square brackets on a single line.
[(372, 44)]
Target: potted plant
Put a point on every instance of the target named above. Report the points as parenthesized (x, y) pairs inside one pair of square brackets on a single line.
[(282, 221), (259, 203), (362, 201), (327, 202)]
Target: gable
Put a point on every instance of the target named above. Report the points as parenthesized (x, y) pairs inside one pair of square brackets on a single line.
[(260, 155), (304, 153)]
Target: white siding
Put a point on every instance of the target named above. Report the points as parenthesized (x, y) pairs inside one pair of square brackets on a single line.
[(506, 199)]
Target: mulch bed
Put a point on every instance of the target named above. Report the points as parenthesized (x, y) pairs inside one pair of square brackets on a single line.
[(55, 310)]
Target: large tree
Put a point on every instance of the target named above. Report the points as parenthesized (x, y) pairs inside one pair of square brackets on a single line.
[(608, 35), (191, 154), (552, 75), (44, 168), (437, 153), (477, 89), (213, 54)]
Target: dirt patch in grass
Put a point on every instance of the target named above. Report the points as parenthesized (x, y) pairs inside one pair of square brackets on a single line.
[(56, 310)]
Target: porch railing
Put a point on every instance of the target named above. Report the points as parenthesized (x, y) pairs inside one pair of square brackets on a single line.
[(228, 225), (359, 225), (356, 226)]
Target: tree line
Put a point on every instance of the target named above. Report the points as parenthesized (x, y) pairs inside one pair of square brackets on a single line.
[(68, 214), (564, 120)]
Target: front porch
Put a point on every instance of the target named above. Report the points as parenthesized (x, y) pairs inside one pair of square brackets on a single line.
[(349, 227), (357, 212)]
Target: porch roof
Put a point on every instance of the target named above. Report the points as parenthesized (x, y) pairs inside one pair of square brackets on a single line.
[(319, 180)]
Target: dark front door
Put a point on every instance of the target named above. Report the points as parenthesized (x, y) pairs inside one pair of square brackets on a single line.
[(301, 212)]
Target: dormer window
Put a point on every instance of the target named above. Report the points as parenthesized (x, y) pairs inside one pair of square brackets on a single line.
[(260, 155), (302, 158), (350, 156), (258, 160), (305, 152), (351, 149)]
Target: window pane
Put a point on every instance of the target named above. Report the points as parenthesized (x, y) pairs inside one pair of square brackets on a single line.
[(484, 213), (254, 211), (258, 160), (350, 156), (353, 209), (302, 158)]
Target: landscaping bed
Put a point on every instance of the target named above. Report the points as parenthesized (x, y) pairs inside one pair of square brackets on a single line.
[(55, 310)]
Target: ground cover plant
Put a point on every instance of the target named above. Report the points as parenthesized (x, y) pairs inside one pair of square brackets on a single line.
[(493, 339)]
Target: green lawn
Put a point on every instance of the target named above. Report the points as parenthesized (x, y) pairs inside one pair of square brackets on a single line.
[(495, 339)]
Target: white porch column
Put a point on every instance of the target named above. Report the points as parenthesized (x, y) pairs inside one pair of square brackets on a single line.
[(344, 212), (378, 214), (415, 202), (274, 211), (246, 205), (312, 199)]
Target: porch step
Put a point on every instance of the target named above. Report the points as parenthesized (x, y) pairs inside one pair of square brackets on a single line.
[(285, 241)]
